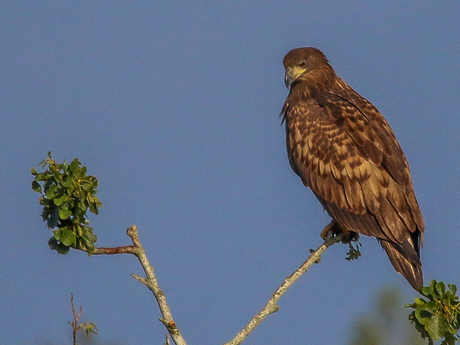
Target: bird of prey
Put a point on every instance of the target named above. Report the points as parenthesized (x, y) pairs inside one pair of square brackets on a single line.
[(344, 150)]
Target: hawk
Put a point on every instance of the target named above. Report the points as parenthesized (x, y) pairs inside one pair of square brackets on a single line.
[(344, 150)]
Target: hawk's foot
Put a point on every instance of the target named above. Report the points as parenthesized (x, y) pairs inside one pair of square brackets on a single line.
[(334, 228)]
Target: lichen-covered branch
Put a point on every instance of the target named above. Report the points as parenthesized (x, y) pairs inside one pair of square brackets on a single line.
[(271, 306), (150, 280)]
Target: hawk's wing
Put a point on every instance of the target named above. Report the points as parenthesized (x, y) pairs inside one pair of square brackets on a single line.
[(345, 151)]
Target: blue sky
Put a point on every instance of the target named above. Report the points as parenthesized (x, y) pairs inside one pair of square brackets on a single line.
[(174, 107)]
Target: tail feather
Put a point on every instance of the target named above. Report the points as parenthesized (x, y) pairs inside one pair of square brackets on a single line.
[(406, 261)]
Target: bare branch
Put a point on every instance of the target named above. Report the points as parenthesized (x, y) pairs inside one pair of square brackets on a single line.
[(89, 327), (74, 324), (114, 250), (150, 280), (271, 306)]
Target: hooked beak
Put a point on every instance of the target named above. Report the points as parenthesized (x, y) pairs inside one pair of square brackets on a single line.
[(292, 73)]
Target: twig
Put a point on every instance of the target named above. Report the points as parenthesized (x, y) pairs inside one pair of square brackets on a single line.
[(74, 324), (271, 306), (89, 327)]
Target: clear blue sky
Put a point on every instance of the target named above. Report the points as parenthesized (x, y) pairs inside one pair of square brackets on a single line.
[(174, 107)]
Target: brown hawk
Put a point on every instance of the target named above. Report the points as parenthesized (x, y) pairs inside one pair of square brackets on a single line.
[(344, 150)]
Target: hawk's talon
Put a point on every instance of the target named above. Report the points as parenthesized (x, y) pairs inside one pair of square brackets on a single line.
[(334, 228)]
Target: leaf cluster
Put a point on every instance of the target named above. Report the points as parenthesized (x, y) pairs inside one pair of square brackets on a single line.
[(89, 328), (354, 253), (437, 316), (67, 193)]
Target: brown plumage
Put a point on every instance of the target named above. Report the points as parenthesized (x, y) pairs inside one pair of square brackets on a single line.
[(344, 150)]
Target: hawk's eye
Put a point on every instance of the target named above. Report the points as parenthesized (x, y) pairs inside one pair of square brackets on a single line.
[(303, 64)]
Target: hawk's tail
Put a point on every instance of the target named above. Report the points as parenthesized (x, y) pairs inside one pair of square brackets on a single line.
[(405, 260)]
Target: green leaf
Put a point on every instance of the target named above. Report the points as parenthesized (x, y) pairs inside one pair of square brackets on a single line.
[(86, 186), (62, 249), (81, 173), (94, 206), (74, 165), (36, 186), (431, 306), (68, 237), (433, 327), (64, 213), (60, 200), (90, 328), (53, 243), (441, 288), (67, 182), (51, 191), (58, 247), (53, 219), (423, 316), (427, 290), (57, 234)]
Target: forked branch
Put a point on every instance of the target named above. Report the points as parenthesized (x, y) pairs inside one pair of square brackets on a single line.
[(150, 280), (271, 306)]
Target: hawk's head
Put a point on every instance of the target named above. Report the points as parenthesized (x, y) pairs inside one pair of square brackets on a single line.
[(299, 62)]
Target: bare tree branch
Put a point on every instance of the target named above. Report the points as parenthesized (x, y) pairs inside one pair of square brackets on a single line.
[(74, 324), (89, 327), (271, 306), (150, 280)]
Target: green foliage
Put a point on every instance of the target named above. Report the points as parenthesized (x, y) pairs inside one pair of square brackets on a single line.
[(89, 328), (67, 193), (353, 253), (438, 315)]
